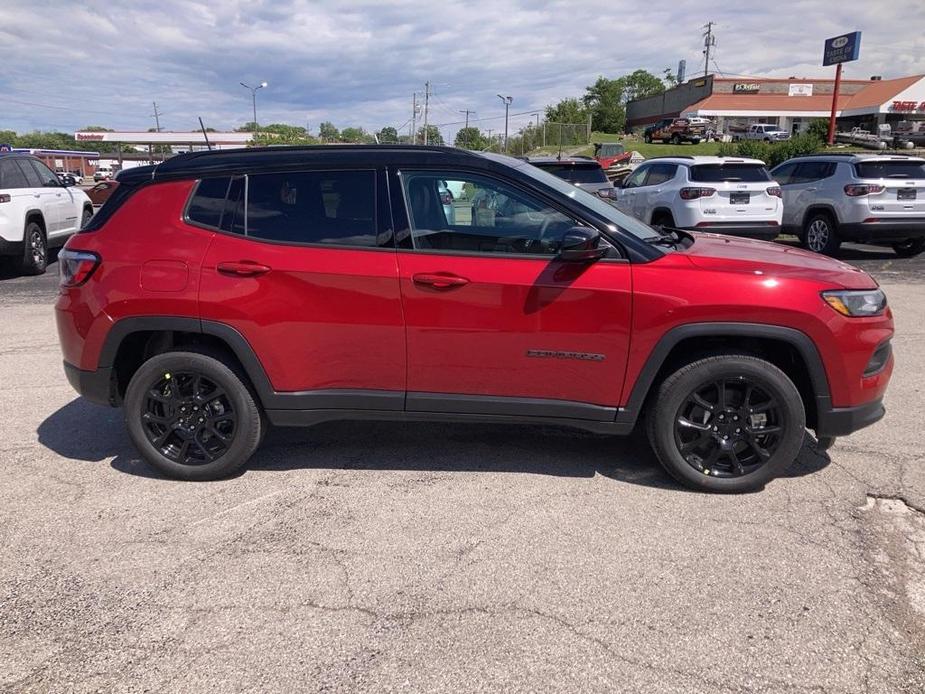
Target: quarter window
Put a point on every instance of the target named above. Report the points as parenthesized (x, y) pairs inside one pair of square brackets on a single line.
[(327, 207), (470, 213), (11, 176)]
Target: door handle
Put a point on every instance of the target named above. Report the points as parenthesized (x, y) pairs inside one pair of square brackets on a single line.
[(244, 268), (810, 189), (440, 281)]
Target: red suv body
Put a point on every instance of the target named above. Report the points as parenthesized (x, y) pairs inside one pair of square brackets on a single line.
[(218, 292)]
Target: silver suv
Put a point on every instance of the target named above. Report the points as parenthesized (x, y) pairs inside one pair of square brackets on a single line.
[(866, 198)]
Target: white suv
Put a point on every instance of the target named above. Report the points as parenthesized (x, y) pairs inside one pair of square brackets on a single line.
[(36, 211), (724, 195), (867, 198)]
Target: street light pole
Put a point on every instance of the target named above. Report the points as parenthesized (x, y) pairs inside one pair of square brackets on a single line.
[(507, 104), (254, 100)]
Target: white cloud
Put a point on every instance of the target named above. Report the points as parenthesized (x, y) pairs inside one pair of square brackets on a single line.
[(356, 63)]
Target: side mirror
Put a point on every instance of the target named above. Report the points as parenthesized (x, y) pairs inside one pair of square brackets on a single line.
[(581, 244)]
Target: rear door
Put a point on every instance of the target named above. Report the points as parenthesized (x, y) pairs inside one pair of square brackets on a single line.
[(903, 182), (67, 214), (741, 191), (784, 176), (494, 322), (43, 197), (302, 265), (653, 190)]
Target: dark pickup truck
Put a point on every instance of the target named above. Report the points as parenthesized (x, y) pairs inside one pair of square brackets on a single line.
[(675, 131)]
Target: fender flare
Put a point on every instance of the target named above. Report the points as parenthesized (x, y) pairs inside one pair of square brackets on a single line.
[(819, 207), (795, 338)]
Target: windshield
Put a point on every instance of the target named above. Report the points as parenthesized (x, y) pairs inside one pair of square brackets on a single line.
[(610, 213), (576, 174), (890, 169), (717, 173)]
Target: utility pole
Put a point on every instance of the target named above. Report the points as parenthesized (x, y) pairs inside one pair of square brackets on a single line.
[(157, 117), (414, 118), (507, 105), (709, 41), (467, 112), (426, 108)]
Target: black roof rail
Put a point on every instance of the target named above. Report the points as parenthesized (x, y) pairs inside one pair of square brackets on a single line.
[(672, 156)]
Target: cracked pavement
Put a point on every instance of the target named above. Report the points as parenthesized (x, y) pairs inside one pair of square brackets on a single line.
[(439, 557)]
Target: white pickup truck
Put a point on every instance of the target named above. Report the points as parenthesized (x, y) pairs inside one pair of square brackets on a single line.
[(766, 132)]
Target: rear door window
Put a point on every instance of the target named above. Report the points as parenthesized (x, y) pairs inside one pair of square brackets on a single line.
[(718, 173), (659, 173), (47, 177), (318, 207), (32, 177), (890, 169), (810, 171)]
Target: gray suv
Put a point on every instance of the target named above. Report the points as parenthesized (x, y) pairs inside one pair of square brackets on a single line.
[(866, 198), (583, 172)]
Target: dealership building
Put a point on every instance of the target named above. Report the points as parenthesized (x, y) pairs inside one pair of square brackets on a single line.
[(734, 102)]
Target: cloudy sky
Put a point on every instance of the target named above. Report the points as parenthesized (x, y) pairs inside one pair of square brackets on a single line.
[(67, 64)]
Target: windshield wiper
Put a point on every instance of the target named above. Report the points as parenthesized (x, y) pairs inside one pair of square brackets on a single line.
[(672, 236)]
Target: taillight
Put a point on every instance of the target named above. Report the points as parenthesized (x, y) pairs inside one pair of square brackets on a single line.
[(855, 190), (774, 192), (695, 193), (75, 267), (4, 197)]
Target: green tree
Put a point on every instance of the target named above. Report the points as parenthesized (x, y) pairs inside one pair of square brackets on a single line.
[(567, 111), (470, 138), (388, 135), (433, 135), (248, 127), (355, 135), (327, 132), (640, 84), (605, 100), (819, 128)]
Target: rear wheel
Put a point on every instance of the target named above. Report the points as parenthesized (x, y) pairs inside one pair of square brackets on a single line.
[(820, 235), (676, 139), (35, 250), (648, 138), (191, 416), (909, 248), (662, 219), (726, 423)]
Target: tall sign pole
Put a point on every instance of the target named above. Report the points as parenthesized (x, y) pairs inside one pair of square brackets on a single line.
[(838, 50)]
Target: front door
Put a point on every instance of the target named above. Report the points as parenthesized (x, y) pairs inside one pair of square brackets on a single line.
[(495, 323), (309, 282)]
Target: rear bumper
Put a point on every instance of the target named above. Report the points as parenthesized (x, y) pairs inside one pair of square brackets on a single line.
[(887, 230), (11, 248), (95, 386), (841, 421), (761, 231)]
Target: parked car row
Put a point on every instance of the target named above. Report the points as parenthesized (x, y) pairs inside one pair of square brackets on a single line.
[(823, 199)]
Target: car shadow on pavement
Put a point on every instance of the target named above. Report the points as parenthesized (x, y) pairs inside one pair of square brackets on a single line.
[(86, 432)]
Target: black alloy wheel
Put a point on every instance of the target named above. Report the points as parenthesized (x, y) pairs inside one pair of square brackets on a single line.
[(188, 418), (192, 414), (729, 428)]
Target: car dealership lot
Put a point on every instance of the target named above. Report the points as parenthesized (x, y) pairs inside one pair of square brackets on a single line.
[(374, 556)]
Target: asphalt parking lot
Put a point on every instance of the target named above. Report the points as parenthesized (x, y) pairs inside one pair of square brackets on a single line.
[(387, 557)]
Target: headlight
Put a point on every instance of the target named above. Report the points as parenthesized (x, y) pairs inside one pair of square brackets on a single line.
[(856, 302)]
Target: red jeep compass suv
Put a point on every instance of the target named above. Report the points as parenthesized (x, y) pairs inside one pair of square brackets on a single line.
[(220, 292)]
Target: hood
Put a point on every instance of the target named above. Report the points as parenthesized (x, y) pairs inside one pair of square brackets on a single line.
[(732, 254)]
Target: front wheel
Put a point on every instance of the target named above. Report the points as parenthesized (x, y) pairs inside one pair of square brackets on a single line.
[(726, 423), (676, 139), (909, 248), (191, 416)]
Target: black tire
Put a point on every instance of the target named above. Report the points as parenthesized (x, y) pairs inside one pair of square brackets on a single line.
[(35, 250), (86, 217), (676, 139), (820, 234), (909, 248), (192, 429), (695, 141), (647, 138), (762, 399)]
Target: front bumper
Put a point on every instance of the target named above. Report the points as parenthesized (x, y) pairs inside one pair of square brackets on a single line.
[(95, 386), (841, 421), (887, 230)]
